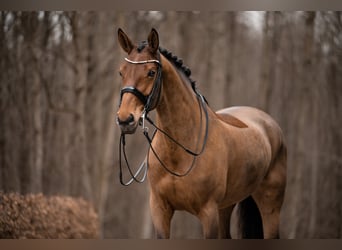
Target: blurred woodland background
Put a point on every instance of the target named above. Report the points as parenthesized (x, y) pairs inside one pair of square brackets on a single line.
[(59, 89)]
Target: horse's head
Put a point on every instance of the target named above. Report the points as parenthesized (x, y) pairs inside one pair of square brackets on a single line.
[(141, 80)]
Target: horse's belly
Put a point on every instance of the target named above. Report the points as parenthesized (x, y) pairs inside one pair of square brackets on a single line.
[(241, 183)]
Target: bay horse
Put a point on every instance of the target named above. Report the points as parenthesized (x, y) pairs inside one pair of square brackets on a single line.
[(201, 161)]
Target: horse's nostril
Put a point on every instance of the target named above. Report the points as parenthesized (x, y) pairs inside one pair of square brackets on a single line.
[(128, 121)]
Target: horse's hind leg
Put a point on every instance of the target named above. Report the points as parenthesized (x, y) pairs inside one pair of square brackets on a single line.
[(270, 195)]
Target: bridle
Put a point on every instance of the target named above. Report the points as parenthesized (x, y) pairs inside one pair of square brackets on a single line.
[(150, 101)]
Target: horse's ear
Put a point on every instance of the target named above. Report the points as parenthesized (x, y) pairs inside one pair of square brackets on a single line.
[(124, 41), (153, 40)]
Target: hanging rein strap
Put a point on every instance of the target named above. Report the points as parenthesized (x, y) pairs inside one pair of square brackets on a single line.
[(133, 176)]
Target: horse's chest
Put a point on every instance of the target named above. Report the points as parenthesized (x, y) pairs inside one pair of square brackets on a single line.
[(181, 193)]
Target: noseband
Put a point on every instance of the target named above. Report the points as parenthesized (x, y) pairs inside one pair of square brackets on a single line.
[(151, 100)]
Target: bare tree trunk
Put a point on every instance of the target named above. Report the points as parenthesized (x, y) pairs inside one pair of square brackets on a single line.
[(81, 183), (271, 40), (37, 162)]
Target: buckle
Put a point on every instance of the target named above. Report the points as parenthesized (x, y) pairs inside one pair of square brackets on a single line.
[(142, 121)]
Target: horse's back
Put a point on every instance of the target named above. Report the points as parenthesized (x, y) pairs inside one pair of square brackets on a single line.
[(256, 119), (247, 115)]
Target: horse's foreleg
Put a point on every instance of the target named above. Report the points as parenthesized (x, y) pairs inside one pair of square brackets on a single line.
[(224, 221), (209, 217), (161, 214)]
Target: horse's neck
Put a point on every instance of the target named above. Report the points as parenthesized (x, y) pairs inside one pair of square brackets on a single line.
[(178, 112)]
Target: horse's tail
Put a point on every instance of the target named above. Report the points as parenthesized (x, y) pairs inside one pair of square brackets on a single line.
[(250, 222)]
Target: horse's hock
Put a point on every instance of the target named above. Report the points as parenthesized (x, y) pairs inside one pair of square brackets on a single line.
[(39, 216)]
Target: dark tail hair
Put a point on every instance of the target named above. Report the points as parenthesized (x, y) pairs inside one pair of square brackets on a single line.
[(250, 222)]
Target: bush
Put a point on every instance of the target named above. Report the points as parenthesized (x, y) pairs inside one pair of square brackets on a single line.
[(39, 216)]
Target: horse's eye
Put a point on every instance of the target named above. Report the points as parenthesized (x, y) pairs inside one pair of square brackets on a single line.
[(120, 73), (151, 73)]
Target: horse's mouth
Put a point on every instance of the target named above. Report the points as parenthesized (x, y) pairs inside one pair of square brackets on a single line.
[(129, 128)]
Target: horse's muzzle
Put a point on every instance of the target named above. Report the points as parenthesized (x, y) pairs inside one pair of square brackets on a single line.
[(127, 126)]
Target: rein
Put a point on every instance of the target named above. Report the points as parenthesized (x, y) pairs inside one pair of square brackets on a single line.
[(150, 102), (202, 106)]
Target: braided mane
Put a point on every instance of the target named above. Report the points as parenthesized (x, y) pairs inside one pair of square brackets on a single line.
[(178, 62)]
